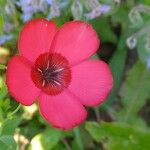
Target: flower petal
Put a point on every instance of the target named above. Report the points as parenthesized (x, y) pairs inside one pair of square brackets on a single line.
[(19, 81), (76, 40), (91, 82), (62, 111), (36, 38)]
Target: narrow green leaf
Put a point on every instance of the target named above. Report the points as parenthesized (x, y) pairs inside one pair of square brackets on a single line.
[(117, 64), (143, 52), (78, 139), (3, 88), (136, 92), (1, 23), (104, 30)]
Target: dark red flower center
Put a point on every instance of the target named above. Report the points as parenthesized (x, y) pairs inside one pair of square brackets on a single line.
[(51, 73)]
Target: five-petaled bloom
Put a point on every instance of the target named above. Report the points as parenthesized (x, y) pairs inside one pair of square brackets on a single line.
[(53, 67)]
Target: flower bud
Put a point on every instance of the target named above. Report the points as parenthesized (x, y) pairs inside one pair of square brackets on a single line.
[(77, 9), (131, 42)]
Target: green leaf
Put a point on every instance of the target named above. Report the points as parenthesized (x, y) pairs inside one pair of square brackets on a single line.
[(7, 142), (119, 136), (146, 2), (2, 3), (117, 64), (59, 146), (5, 105), (3, 88), (78, 139), (1, 24), (2, 67), (9, 126), (120, 16), (46, 140), (143, 52), (135, 92), (104, 30)]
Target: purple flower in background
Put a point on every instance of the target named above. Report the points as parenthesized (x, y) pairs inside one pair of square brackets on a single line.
[(8, 27), (54, 10), (5, 38), (96, 9), (148, 63), (63, 3), (29, 7), (56, 7), (39, 5), (102, 9), (49, 2), (27, 13), (105, 9)]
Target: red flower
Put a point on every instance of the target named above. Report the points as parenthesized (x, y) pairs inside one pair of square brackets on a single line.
[(53, 67)]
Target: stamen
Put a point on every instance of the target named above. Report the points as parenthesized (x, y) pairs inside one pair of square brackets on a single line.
[(39, 70), (51, 73), (47, 65), (58, 70), (56, 82), (43, 83)]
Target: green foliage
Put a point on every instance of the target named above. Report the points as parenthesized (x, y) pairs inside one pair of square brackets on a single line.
[(2, 67), (1, 23), (119, 136), (7, 142), (2, 3), (135, 92), (104, 30), (8, 127), (120, 15), (3, 88), (143, 51), (7, 130), (45, 140), (78, 138), (117, 61)]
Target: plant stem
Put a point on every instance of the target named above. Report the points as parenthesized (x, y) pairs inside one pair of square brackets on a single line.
[(18, 107), (97, 114), (66, 144), (78, 138)]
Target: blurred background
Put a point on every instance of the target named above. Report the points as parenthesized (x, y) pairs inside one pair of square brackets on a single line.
[(122, 122)]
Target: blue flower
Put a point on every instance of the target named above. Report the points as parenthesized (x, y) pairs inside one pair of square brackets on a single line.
[(49, 2)]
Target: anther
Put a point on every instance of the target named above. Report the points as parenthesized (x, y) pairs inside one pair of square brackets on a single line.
[(43, 83), (39, 70), (58, 70), (56, 82), (47, 65)]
